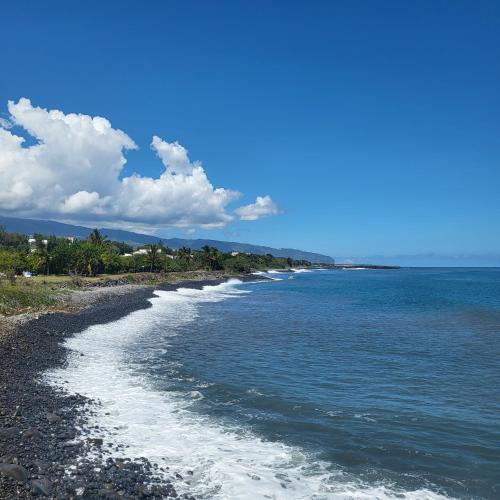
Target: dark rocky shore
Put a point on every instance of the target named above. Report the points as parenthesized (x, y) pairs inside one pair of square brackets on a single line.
[(40, 442)]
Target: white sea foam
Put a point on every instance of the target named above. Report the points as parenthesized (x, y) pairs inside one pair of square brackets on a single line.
[(267, 275), (227, 463)]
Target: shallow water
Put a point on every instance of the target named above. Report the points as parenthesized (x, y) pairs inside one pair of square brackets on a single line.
[(327, 384)]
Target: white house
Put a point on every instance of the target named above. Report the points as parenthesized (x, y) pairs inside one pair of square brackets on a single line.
[(144, 251)]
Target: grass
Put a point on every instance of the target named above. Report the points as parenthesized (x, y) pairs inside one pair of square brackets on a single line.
[(24, 296), (42, 292)]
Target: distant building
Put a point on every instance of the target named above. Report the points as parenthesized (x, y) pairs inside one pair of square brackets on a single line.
[(234, 254), (144, 251)]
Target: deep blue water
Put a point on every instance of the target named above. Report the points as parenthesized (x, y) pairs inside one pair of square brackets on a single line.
[(390, 375)]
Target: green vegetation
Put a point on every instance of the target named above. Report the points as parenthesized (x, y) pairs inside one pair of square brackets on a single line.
[(48, 255), (58, 264), (23, 295)]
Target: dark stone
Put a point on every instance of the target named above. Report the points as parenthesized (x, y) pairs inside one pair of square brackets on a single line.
[(31, 350), (32, 433), (41, 487), (53, 417), (17, 472), (40, 465), (8, 432)]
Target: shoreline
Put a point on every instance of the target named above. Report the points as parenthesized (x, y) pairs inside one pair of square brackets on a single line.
[(41, 441)]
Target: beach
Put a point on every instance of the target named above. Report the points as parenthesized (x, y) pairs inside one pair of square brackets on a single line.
[(222, 389), (41, 438)]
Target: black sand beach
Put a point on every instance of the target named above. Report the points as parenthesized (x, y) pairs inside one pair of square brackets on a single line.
[(41, 443)]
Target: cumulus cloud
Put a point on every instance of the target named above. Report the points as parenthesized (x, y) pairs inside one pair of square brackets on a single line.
[(5, 123), (72, 172), (264, 206)]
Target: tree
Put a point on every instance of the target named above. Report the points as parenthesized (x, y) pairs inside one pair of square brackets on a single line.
[(62, 256), (42, 249), (88, 259), (153, 254), (111, 260), (11, 262), (13, 240), (184, 254), (210, 257), (121, 247), (96, 237)]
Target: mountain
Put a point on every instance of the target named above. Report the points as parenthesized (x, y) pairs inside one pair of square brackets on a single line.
[(47, 227)]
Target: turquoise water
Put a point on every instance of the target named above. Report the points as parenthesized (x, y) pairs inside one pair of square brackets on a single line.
[(392, 375)]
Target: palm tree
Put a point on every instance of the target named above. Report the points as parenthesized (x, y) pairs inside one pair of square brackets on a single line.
[(96, 237), (210, 257), (184, 254), (152, 255), (89, 260), (43, 251)]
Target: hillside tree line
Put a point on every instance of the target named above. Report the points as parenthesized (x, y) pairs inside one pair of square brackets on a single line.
[(97, 255)]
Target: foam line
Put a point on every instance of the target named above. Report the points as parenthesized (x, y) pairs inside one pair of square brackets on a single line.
[(226, 463)]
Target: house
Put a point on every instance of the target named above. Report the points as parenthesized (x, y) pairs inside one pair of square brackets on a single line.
[(144, 251), (234, 254)]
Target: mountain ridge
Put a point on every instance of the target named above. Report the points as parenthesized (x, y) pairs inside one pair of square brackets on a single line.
[(47, 227)]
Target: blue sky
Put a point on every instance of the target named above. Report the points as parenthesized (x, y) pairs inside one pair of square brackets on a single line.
[(373, 125)]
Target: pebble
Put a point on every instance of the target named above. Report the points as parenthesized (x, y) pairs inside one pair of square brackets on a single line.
[(41, 487), (17, 472), (44, 449)]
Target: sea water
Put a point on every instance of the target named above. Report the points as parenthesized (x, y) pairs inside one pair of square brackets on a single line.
[(312, 385)]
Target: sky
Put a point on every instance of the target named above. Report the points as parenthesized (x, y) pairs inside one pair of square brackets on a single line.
[(355, 129)]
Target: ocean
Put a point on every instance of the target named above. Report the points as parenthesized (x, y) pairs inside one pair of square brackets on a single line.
[(332, 384)]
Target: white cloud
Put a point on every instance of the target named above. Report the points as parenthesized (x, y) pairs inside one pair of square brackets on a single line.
[(4, 123), (72, 172), (264, 206)]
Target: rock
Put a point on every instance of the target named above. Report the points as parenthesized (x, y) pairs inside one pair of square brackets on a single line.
[(40, 465), (96, 441), (110, 494), (52, 418), (17, 472), (8, 432), (17, 412), (33, 432), (41, 487)]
